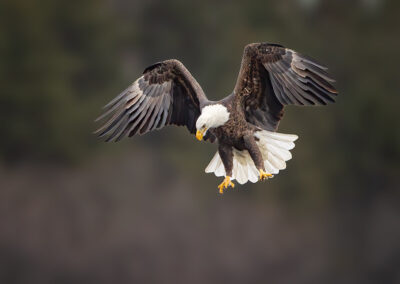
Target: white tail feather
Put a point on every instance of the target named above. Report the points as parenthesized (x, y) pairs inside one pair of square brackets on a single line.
[(275, 149)]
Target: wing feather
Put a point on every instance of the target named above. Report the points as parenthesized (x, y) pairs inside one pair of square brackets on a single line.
[(277, 76), (166, 94)]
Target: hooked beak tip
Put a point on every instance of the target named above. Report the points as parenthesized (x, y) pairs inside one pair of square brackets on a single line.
[(199, 135)]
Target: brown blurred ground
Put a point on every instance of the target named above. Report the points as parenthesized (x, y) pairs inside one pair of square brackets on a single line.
[(76, 210)]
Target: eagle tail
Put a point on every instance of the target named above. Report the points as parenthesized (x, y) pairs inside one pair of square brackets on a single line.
[(275, 148)]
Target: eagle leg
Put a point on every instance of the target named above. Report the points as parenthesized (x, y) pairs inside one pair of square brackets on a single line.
[(226, 154), (225, 184), (256, 155), (264, 175)]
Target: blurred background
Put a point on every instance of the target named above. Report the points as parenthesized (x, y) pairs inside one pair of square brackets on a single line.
[(74, 209)]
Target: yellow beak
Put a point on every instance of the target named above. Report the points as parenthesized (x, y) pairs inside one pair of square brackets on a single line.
[(200, 134)]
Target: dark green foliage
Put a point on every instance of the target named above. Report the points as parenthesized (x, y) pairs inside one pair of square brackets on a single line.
[(60, 62), (56, 58)]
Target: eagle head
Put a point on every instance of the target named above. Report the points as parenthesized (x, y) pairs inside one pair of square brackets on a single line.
[(212, 116)]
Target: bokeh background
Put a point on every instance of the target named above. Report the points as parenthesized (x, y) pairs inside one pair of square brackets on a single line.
[(76, 210)]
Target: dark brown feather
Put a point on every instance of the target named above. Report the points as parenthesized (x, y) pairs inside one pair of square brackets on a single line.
[(272, 76), (166, 94)]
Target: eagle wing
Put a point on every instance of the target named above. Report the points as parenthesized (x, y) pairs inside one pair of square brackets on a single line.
[(166, 94), (272, 76)]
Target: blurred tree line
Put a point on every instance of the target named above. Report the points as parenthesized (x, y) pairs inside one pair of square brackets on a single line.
[(56, 58), (62, 60)]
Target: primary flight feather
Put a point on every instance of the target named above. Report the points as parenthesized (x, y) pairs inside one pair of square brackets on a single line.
[(244, 123)]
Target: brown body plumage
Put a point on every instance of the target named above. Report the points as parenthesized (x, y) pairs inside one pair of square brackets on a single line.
[(236, 133)]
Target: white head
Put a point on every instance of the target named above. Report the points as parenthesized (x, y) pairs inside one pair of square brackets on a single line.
[(212, 116)]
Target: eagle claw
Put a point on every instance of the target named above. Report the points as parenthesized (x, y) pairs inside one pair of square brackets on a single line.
[(225, 184), (264, 175)]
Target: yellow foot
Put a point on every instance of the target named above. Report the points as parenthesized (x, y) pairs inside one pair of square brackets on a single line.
[(264, 175), (225, 184)]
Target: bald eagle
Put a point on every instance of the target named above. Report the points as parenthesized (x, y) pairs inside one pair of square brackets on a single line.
[(244, 123)]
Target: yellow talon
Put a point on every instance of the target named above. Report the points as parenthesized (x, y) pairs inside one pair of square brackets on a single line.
[(225, 184), (264, 175)]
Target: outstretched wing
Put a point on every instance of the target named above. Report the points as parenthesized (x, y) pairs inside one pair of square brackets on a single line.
[(166, 94), (272, 76)]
